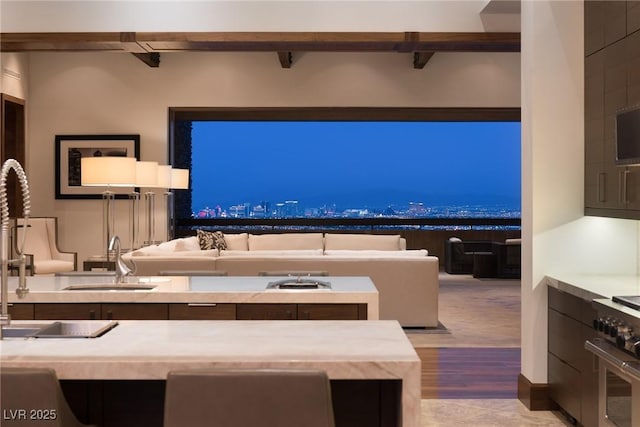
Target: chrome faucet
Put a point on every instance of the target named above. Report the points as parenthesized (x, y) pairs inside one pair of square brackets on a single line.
[(22, 290), (121, 268)]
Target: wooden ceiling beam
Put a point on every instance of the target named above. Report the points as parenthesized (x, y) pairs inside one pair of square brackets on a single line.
[(262, 42), (420, 59), (285, 59)]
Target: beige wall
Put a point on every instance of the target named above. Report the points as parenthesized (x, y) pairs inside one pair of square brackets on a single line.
[(99, 93), (557, 237)]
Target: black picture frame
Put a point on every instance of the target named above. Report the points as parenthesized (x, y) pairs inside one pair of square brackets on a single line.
[(71, 148)]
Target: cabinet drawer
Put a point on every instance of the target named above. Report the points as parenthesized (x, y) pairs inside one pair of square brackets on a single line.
[(266, 311), (328, 311), (21, 311), (133, 311), (202, 311), (564, 386), (572, 306), (80, 311), (565, 338)]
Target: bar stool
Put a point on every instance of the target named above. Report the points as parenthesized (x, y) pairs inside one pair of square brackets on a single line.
[(242, 398), (33, 397)]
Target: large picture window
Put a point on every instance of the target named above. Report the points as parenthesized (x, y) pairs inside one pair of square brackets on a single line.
[(284, 165)]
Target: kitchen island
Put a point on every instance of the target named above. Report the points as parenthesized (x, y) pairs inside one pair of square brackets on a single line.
[(186, 298), (374, 370)]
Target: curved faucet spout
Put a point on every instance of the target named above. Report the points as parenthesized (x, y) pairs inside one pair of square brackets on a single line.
[(22, 290), (122, 270)]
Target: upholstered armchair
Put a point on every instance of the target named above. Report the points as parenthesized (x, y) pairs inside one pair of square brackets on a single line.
[(41, 246), (508, 258), (458, 254)]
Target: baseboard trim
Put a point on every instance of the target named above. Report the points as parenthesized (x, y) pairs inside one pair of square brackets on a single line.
[(534, 396)]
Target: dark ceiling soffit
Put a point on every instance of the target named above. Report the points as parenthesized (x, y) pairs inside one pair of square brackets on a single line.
[(505, 114)]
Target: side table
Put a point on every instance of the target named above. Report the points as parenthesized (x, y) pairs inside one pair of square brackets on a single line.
[(484, 264)]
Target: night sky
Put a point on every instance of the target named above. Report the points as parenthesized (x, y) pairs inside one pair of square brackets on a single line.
[(356, 164)]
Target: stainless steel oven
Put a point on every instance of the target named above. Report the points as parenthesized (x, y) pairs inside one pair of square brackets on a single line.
[(617, 352)]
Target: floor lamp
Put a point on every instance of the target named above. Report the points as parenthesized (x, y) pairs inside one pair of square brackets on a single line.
[(109, 172), (146, 176), (179, 181)]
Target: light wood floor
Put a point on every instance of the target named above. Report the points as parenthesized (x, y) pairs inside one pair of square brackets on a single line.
[(469, 376), (480, 357)]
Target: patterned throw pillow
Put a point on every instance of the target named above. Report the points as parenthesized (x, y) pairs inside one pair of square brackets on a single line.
[(211, 240)]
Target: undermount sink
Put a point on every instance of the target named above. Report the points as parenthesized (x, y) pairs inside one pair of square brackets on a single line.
[(299, 283), (110, 287), (60, 329)]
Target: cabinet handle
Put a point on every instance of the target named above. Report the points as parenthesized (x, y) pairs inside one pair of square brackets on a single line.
[(201, 304), (601, 187), (625, 174)]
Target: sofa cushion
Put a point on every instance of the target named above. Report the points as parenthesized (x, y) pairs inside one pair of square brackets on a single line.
[(237, 242), (373, 253), (336, 241), (211, 240), (274, 253), (285, 241), (187, 244)]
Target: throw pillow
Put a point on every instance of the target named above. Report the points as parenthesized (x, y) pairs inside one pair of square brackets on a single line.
[(211, 240)]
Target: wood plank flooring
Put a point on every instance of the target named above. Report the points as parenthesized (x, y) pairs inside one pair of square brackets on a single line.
[(480, 357), (469, 373)]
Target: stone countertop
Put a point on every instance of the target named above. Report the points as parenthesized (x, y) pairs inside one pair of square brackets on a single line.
[(198, 289), (146, 350), (590, 286)]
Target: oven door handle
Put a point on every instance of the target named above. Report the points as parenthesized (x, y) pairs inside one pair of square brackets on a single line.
[(602, 349)]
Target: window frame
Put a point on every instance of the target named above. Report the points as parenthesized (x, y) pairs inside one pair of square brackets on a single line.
[(177, 157)]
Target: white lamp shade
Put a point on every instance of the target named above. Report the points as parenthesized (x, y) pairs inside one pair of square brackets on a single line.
[(108, 171), (164, 177), (180, 179), (146, 174)]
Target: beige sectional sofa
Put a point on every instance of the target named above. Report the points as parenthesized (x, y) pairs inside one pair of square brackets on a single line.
[(407, 280)]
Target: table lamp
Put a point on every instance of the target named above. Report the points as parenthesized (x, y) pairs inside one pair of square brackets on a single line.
[(146, 176), (163, 180), (108, 171), (179, 181)]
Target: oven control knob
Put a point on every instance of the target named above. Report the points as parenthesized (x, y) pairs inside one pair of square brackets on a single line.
[(607, 327), (595, 324), (620, 340), (636, 348), (600, 324), (613, 332)]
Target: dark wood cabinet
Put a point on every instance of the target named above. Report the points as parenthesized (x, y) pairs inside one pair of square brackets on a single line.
[(67, 311), (267, 312), (187, 311), (21, 311), (328, 312), (202, 311), (573, 381), (612, 83), (135, 311), (302, 312)]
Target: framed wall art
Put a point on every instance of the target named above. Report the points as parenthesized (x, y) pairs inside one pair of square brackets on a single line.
[(71, 148)]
